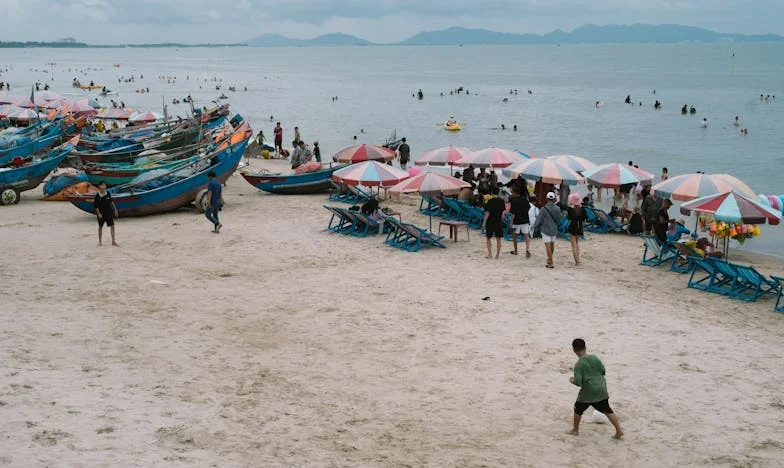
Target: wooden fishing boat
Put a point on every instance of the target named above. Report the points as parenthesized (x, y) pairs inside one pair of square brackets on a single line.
[(171, 189), (14, 180), (39, 139), (293, 184)]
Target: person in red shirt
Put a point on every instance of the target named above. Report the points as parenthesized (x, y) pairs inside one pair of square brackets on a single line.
[(278, 139)]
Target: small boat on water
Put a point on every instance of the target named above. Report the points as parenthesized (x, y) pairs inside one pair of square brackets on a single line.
[(175, 188), (14, 180), (294, 184)]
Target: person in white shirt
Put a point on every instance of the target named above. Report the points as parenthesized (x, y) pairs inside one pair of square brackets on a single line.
[(704, 123)]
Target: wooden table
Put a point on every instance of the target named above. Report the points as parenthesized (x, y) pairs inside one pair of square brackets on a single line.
[(453, 227)]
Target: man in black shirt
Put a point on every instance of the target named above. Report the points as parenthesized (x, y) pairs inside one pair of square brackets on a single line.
[(405, 153), (493, 224), (662, 222), (105, 210), (519, 206)]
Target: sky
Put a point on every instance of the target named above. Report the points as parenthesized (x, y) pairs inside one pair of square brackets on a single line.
[(199, 21)]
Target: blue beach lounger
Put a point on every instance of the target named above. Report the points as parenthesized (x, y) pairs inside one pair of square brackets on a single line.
[(756, 284), (779, 307), (655, 253)]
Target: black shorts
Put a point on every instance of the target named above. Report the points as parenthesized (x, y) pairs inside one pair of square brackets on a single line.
[(403, 160), (601, 406), (494, 230), (108, 220)]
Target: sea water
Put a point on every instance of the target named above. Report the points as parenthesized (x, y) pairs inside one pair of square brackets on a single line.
[(374, 87)]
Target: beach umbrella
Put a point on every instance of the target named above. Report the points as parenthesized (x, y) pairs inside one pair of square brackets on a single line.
[(145, 117), (53, 104), (117, 114), (443, 156), (26, 103), (616, 174), (544, 170), (687, 187), (732, 207), (370, 174), (22, 114), (360, 153), (78, 107), (575, 163), (526, 155), (430, 184), (46, 95), (5, 98), (5, 109), (490, 157), (93, 103)]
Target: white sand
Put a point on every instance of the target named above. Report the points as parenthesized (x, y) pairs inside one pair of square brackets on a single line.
[(275, 343)]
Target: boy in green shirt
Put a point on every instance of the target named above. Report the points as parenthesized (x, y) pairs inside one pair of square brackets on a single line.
[(589, 376)]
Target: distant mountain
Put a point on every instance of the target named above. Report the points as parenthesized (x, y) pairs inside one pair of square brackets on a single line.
[(336, 39), (587, 34)]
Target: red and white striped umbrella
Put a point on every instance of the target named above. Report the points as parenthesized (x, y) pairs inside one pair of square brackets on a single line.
[(148, 116), (47, 95), (544, 170), (575, 163), (443, 156), (687, 187), (490, 157), (370, 174), (5, 109), (20, 113), (429, 183), (5, 98), (53, 104), (733, 207), (360, 153), (116, 114), (78, 107), (25, 102), (616, 174)]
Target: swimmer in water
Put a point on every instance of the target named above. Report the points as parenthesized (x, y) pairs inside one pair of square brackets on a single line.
[(503, 127), (704, 122), (736, 122), (451, 121), (515, 127)]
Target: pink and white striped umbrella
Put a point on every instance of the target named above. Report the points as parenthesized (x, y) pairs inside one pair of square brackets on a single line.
[(370, 174), (544, 170), (490, 157), (575, 163), (148, 116), (25, 102), (20, 113), (443, 156), (47, 95), (429, 184), (53, 104), (616, 174), (5, 98), (116, 114), (360, 153), (78, 107)]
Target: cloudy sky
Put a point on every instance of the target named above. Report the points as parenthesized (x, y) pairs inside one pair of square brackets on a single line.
[(193, 21)]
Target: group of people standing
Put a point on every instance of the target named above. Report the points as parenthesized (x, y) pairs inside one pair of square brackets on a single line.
[(300, 153)]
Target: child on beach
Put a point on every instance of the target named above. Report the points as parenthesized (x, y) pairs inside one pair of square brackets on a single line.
[(589, 375), (106, 211)]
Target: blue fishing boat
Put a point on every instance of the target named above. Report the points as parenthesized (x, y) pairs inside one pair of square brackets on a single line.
[(28, 143), (294, 184), (14, 180), (178, 187)]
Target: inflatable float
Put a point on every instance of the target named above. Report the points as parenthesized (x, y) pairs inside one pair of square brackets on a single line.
[(773, 201), (452, 128)]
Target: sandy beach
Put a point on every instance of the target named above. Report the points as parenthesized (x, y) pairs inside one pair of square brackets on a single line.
[(275, 343)]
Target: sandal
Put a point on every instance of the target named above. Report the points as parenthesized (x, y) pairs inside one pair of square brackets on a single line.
[(513, 252), (549, 266), (527, 254)]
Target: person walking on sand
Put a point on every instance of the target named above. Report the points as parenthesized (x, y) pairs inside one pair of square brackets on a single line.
[(106, 211), (548, 218), (404, 152), (278, 139), (576, 215), (519, 207), (215, 197), (492, 224), (589, 375)]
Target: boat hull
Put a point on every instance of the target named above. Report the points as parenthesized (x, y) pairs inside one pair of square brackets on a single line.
[(292, 184), (30, 177)]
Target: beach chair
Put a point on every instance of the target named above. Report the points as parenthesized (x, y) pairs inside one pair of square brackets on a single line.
[(655, 253), (411, 238), (454, 210), (473, 215), (433, 207), (681, 262), (732, 283), (337, 191), (779, 307), (703, 274), (508, 231), (602, 221), (395, 234), (339, 222), (755, 283), (364, 225)]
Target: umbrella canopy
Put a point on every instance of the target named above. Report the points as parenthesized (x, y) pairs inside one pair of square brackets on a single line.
[(616, 174), (145, 117), (575, 163), (79, 107), (490, 157), (5, 98), (526, 155), (687, 187), (733, 207), (5, 109), (544, 170), (53, 104), (19, 113), (93, 103), (26, 103), (46, 95), (118, 114), (370, 174), (443, 156), (429, 183), (361, 153)]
